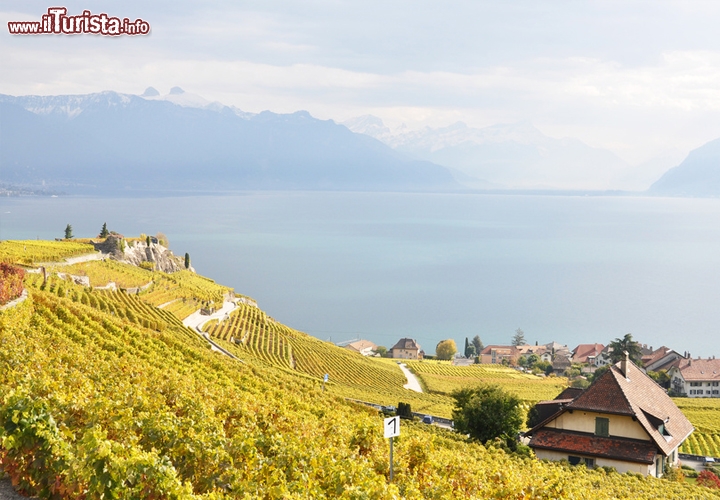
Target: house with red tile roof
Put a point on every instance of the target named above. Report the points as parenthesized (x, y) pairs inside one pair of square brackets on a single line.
[(696, 378), (406, 349), (660, 359), (623, 420), (586, 353), (495, 354)]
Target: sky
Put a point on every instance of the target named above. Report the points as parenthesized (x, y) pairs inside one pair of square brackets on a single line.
[(641, 79)]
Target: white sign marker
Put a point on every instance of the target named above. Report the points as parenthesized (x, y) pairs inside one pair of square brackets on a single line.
[(392, 427)]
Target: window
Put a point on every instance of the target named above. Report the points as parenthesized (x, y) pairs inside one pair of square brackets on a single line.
[(589, 463), (573, 460), (695, 384), (602, 426)]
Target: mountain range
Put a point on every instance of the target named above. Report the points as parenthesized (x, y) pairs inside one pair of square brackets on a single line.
[(513, 156), (115, 142), (698, 175)]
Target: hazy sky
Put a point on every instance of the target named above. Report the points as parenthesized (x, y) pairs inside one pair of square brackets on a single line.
[(639, 78)]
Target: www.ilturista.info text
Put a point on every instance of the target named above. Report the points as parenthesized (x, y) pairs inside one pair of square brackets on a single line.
[(57, 22)]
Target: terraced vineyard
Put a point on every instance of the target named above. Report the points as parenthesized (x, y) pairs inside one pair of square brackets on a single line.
[(704, 413), (95, 405), (250, 333), (104, 395), (181, 293), (442, 377), (100, 273), (30, 252)]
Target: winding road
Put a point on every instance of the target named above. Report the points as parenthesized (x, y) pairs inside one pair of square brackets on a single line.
[(413, 383)]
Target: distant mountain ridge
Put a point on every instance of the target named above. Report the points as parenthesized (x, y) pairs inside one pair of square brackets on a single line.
[(114, 142), (516, 156), (698, 175)]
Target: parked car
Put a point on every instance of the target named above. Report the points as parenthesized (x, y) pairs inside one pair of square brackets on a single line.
[(427, 419)]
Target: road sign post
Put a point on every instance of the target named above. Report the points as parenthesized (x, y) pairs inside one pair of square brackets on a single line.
[(392, 429)]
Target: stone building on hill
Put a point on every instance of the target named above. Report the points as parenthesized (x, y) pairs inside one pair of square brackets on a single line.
[(623, 420), (406, 349)]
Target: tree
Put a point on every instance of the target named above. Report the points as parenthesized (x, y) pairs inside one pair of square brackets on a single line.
[(478, 344), (147, 242), (381, 350), (104, 233), (619, 346), (445, 349), (470, 351), (532, 360), (68, 232), (163, 240), (187, 260), (661, 377), (519, 337), (487, 412)]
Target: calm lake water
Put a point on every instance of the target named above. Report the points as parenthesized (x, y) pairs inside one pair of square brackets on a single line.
[(433, 266)]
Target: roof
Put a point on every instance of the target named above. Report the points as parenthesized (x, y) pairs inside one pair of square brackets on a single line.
[(361, 345), (530, 349), (570, 393), (638, 396), (556, 346), (561, 362), (631, 450), (699, 369), (657, 354), (500, 349), (582, 351), (408, 344)]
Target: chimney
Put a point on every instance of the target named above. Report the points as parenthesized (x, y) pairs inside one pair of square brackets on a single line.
[(624, 364)]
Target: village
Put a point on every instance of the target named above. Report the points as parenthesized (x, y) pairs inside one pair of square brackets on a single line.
[(678, 373), (617, 413)]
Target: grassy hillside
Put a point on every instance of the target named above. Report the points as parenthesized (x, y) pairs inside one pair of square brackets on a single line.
[(103, 395)]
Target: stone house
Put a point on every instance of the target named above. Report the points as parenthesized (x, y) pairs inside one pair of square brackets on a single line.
[(406, 349)]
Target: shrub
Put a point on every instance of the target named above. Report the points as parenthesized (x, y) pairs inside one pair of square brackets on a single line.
[(708, 479), (11, 282)]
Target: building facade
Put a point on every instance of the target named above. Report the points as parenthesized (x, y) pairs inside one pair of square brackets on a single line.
[(623, 420)]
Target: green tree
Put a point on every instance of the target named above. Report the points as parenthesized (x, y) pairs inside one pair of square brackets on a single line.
[(478, 344), (598, 373), (661, 377), (68, 232), (104, 233), (470, 351), (487, 412), (519, 337), (532, 360), (619, 346), (147, 242), (445, 349), (381, 350), (187, 260)]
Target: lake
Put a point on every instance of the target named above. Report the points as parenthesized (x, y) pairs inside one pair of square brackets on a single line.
[(381, 266)]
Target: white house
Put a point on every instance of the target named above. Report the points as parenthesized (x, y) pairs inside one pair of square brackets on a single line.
[(696, 378)]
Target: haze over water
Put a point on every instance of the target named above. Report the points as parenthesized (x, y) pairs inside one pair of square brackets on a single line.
[(432, 266)]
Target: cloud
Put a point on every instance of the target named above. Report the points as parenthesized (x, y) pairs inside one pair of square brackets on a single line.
[(611, 74)]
